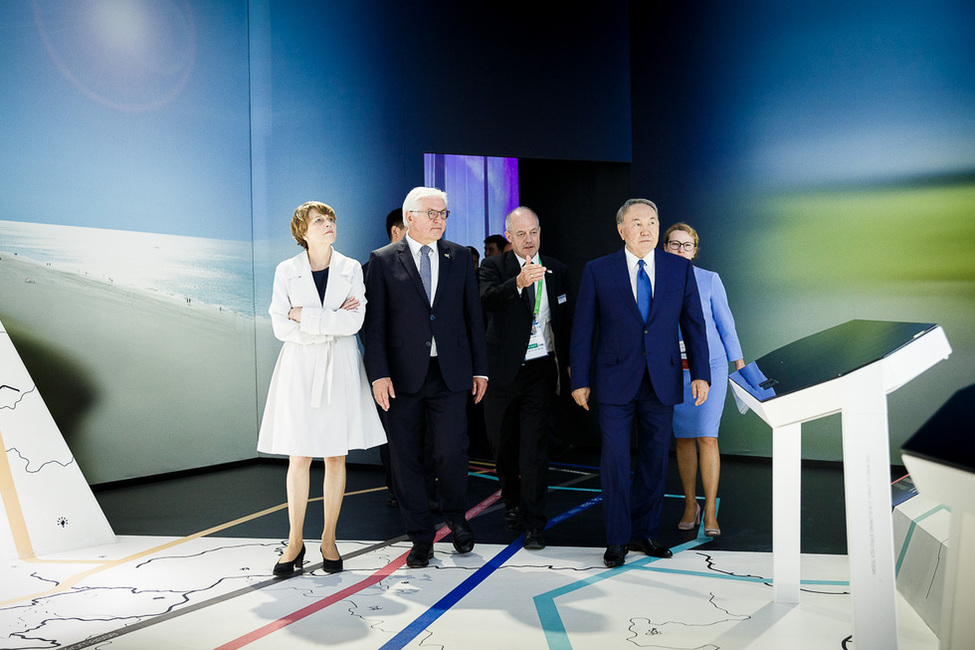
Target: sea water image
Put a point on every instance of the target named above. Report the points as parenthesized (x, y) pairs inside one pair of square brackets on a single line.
[(143, 345), (212, 271)]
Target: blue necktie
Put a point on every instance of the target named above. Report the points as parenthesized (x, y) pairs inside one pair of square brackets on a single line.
[(644, 291), (425, 276)]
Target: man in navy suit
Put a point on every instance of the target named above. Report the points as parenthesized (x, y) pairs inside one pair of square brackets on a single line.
[(630, 304), (525, 297), (423, 338)]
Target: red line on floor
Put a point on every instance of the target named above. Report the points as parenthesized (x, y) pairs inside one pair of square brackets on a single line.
[(379, 575)]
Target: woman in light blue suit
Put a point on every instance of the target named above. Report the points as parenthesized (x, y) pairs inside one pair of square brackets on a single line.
[(701, 423)]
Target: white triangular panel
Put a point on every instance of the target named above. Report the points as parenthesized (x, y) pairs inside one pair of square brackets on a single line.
[(46, 503)]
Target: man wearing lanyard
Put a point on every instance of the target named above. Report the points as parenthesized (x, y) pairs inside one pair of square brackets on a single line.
[(525, 299)]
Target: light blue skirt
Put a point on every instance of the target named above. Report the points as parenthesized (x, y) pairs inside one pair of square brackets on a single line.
[(702, 421)]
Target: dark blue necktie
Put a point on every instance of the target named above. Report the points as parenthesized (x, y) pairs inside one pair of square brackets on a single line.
[(644, 291)]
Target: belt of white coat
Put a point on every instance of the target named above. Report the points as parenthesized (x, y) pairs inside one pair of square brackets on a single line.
[(322, 378)]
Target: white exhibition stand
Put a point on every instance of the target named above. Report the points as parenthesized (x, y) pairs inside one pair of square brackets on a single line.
[(860, 395), (943, 471)]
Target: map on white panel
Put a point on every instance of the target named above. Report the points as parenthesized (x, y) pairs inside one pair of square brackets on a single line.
[(47, 506)]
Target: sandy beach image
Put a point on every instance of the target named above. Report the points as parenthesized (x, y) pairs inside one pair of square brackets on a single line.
[(137, 382)]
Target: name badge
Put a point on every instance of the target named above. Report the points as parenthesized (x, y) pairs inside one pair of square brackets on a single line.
[(536, 343), (562, 299)]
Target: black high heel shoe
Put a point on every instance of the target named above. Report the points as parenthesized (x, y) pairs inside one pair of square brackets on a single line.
[(331, 566), (288, 569)]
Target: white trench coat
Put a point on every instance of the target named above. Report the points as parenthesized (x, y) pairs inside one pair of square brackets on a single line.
[(320, 402)]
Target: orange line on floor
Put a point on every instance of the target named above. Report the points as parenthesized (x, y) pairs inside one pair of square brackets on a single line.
[(104, 566)]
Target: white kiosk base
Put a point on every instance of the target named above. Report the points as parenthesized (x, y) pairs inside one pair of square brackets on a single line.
[(859, 394)]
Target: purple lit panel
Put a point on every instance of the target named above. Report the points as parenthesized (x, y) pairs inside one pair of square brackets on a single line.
[(481, 190)]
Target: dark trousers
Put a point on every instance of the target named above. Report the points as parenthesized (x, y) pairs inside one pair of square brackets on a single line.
[(440, 413), (632, 511), (517, 418)]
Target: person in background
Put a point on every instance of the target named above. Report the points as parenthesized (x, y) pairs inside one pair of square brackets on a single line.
[(494, 245), (476, 256), (395, 230), (319, 404), (625, 354), (696, 427)]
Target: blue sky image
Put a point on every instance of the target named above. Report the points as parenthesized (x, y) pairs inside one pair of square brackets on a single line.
[(126, 115)]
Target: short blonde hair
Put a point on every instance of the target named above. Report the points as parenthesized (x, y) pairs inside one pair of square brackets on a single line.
[(299, 222)]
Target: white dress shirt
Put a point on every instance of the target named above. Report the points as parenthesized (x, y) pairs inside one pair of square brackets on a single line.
[(633, 266), (544, 311)]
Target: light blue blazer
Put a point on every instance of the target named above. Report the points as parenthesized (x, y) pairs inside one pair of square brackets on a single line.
[(703, 421)]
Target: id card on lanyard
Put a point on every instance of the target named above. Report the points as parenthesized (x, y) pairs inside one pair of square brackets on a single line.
[(536, 342)]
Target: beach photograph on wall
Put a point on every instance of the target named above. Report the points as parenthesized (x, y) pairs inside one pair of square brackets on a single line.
[(126, 255)]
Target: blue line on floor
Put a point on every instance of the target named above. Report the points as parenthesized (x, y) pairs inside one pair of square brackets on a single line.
[(575, 466), (573, 489), (411, 631), (724, 576), (548, 613), (551, 487)]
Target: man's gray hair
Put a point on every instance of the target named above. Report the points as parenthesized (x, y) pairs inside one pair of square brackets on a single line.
[(629, 204), (417, 193), (507, 219)]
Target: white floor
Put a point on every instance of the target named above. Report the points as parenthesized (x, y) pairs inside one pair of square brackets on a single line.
[(208, 592)]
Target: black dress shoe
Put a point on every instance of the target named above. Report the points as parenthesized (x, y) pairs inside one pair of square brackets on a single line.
[(288, 569), (331, 566), (511, 518), (419, 555), (534, 540), (614, 555), (649, 547), (463, 535)]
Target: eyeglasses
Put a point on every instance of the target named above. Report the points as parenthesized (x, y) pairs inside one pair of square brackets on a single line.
[(432, 215), (688, 246)]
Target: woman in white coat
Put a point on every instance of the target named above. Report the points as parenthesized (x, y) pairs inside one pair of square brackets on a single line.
[(319, 404)]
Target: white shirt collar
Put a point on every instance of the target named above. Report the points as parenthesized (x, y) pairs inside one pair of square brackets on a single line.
[(415, 246), (522, 261), (632, 260)]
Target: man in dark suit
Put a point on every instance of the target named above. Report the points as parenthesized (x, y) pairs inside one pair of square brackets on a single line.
[(525, 298), (631, 303), (424, 350)]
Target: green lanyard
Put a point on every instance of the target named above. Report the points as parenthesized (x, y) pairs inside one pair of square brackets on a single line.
[(538, 296)]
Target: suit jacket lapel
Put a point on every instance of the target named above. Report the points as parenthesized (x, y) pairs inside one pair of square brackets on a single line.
[(512, 267), (621, 274), (660, 271), (552, 289), (445, 261), (406, 259)]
